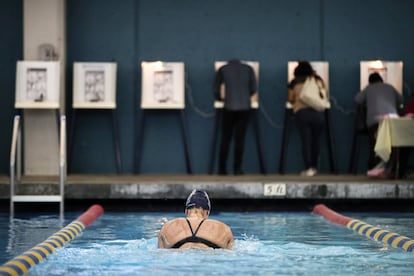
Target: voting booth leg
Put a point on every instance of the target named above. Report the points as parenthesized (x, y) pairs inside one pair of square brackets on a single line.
[(115, 138), (72, 131), (396, 163), (138, 143), (186, 142), (214, 139), (355, 149), (285, 141), (117, 145), (258, 142), (332, 161), (58, 119), (140, 135), (359, 131)]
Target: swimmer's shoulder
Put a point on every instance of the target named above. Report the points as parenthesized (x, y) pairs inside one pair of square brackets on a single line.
[(174, 222), (218, 224)]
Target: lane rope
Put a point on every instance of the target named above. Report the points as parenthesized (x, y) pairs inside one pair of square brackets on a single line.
[(362, 228), (21, 264)]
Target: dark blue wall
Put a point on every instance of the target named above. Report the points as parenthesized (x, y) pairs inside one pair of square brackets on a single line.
[(11, 50), (103, 31), (199, 32)]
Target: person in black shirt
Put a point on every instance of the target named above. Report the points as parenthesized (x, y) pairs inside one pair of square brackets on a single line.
[(239, 87)]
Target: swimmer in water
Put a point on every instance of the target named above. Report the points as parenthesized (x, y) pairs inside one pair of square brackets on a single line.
[(196, 230)]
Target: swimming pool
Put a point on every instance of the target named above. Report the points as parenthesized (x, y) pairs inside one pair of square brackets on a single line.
[(266, 243)]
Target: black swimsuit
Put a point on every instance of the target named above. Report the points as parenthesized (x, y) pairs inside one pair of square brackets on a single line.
[(194, 238)]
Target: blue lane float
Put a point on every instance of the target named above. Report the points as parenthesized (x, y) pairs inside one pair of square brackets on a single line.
[(362, 228), (21, 264)]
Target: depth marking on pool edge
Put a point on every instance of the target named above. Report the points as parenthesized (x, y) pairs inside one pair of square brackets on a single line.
[(274, 189)]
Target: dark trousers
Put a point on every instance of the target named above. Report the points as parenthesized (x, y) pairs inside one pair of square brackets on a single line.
[(404, 155), (233, 123), (310, 123), (373, 160)]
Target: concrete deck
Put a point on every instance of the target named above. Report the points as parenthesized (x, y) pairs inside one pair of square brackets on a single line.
[(119, 188), (246, 186)]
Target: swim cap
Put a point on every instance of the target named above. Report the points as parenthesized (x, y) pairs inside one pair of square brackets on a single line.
[(198, 198)]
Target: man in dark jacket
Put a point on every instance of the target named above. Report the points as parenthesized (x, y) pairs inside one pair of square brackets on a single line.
[(239, 86)]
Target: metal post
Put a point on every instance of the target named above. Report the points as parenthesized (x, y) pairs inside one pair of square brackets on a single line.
[(62, 163), (285, 140), (258, 142), (213, 146), (117, 147), (15, 138), (186, 142)]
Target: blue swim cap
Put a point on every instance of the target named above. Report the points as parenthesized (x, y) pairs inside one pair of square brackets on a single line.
[(198, 198)]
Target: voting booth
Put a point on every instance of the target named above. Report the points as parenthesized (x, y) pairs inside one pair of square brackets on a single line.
[(94, 90), (392, 73), (254, 105), (162, 88)]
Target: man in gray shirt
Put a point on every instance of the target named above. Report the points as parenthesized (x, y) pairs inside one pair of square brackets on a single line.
[(379, 99), (239, 85)]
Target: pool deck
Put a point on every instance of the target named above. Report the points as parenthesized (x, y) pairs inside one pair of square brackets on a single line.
[(225, 187)]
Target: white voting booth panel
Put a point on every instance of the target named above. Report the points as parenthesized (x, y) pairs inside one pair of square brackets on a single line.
[(38, 84), (255, 66), (163, 85), (390, 71), (94, 85)]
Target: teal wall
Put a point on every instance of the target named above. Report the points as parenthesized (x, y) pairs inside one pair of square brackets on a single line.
[(199, 32), (11, 50)]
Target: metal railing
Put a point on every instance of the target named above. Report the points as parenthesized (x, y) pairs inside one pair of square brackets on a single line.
[(62, 163), (14, 153), (15, 159)]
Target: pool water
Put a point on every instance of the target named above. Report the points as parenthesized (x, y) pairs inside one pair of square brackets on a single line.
[(266, 243)]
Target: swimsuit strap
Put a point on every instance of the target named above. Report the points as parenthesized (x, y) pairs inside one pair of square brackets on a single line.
[(189, 225), (194, 238), (191, 228)]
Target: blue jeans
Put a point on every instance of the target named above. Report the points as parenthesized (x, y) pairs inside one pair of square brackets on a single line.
[(310, 123)]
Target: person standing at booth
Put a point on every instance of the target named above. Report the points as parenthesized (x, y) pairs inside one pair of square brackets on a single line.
[(380, 99), (309, 121), (239, 86)]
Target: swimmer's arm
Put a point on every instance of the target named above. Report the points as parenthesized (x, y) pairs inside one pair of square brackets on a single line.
[(161, 241), (168, 233), (229, 243), (230, 240), (227, 238)]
